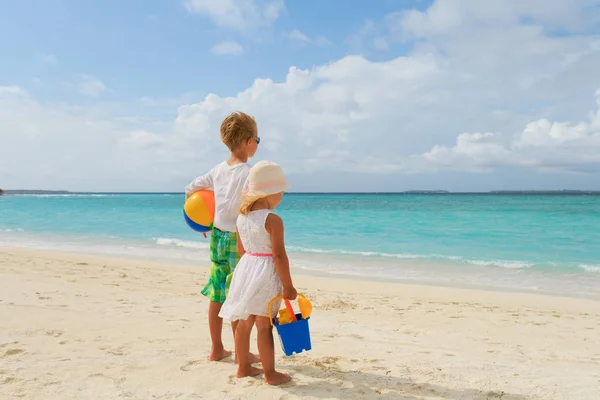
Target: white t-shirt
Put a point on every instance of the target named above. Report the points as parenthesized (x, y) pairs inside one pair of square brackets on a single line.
[(227, 181)]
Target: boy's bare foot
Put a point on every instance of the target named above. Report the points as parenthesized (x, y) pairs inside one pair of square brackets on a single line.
[(218, 354), (248, 371), (277, 378)]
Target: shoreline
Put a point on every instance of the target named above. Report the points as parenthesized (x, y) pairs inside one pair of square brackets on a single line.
[(354, 284), (202, 261), (77, 326)]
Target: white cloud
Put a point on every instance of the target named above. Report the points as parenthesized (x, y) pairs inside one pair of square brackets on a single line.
[(542, 144), (322, 41), (50, 59), (12, 91), (238, 14), (446, 16), (299, 36), (474, 104), (228, 48), (90, 86)]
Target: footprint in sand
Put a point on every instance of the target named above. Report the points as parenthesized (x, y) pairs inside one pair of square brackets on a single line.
[(101, 375), (338, 304), (54, 333), (188, 366), (115, 352), (11, 379), (12, 352)]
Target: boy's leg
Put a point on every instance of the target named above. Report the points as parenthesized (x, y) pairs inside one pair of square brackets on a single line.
[(215, 326), (242, 348), (215, 291)]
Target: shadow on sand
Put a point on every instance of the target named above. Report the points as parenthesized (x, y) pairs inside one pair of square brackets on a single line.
[(335, 383)]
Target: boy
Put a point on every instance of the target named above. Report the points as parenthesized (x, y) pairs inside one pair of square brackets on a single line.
[(240, 134)]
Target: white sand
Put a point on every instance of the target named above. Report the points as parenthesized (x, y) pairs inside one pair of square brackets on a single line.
[(83, 327)]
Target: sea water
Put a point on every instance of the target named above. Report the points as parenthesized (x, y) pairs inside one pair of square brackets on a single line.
[(542, 243)]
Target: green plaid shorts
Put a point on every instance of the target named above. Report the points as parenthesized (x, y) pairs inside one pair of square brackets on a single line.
[(223, 259)]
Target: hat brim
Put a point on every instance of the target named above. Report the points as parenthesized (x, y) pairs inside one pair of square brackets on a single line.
[(258, 193)]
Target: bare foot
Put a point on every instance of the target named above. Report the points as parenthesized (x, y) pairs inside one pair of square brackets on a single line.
[(248, 371), (253, 358), (218, 354), (278, 378)]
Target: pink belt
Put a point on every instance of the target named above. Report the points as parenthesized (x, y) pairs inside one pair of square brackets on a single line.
[(259, 254)]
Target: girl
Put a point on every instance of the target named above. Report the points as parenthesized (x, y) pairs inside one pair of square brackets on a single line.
[(263, 271)]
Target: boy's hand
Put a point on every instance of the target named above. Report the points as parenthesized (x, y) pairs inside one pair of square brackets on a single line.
[(290, 293)]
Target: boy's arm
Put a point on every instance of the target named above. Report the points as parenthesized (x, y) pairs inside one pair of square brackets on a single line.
[(202, 182), (274, 226)]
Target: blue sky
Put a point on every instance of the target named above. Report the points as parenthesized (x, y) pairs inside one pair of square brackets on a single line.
[(117, 40), (386, 95)]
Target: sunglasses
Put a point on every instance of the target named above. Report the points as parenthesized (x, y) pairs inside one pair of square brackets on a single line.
[(257, 139)]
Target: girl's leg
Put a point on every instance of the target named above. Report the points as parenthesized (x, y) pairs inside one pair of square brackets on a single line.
[(253, 357), (266, 349), (242, 348)]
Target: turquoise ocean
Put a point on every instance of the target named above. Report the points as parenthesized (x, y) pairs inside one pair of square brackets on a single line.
[(539, 243)]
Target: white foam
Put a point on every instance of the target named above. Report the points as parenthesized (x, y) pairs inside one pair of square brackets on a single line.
[(402, 256), (501, 263), (181, 243), (61, 195), (590, 268)]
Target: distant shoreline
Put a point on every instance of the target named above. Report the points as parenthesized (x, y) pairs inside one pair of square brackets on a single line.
[(406, 192)]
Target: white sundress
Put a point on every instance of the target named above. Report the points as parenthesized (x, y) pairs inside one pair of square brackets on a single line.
[(255, 281)]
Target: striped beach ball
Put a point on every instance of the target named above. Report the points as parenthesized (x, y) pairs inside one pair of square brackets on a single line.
[(199, 210)]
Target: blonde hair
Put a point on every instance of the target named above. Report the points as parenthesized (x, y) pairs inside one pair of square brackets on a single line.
[(247, 203), (236, 128)]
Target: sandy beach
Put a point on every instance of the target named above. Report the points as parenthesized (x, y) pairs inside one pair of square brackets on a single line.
[(76, 326)]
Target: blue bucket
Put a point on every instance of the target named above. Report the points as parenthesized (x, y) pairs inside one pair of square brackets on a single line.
[(294, 336)]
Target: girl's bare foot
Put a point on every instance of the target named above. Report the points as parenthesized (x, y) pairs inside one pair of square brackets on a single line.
[(254, 358), (277, 378), (218, 354), (248, 371)]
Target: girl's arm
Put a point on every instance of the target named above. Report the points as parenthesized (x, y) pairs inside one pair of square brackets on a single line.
[(274, 226), (240, 246)]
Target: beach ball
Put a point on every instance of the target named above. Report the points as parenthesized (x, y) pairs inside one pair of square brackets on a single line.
[(199, 210)]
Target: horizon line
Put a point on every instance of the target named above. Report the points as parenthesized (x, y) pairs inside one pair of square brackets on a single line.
[(412, 191)]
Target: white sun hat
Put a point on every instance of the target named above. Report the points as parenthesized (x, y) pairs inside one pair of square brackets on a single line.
[(266, 178)]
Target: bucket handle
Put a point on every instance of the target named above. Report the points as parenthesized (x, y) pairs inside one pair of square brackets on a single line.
[(287, 305)]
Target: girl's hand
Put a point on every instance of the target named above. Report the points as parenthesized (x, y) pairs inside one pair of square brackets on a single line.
[(290, 293)]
